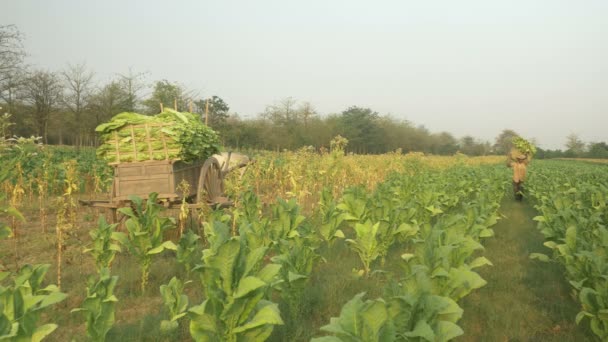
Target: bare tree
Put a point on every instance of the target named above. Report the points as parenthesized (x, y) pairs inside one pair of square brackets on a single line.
[(108, 101), (42, 90), (306, 111), (574, 145), (10, 88), (132, 83), (11, 68), (282, 113), (78, 85), (11, 51)]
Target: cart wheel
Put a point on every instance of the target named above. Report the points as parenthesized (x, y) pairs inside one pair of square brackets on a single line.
[(210, 182)]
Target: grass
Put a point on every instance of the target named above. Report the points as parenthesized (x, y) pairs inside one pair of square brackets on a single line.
[(524, 300)]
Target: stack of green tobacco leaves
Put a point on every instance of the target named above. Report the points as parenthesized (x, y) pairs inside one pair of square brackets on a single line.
[(522, 148), (130, 137)]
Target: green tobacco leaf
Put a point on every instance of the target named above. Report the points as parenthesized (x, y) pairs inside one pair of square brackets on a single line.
[(11, 211), (540, 257), (446, 331), (326, 339), (486, 233), (5, 232), (168, 326), (43, 331), (269, 273), (247, 285), (550, 244), (581, 315), (422, 330), (269, 314), (480, 261)]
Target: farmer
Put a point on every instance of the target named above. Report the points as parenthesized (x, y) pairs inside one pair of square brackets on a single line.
[(519, 174)]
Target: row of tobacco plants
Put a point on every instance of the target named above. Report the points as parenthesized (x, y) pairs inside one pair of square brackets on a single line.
[(262, 258), (417, 232), (571, 199)]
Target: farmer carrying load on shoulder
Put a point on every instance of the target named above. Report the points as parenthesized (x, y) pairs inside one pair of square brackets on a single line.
[(519, 174), (519, 157)]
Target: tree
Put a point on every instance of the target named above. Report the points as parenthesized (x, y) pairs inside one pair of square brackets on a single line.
[(131, 83), (359, 126), (11, 70), (170, 95), (575, 147), (11, 51), (282, 113), (444, 143), (78, 85), (218, 110), (10, 89), (598, 150), (42, 90), (504, 141), (306, 111), (108, 101)]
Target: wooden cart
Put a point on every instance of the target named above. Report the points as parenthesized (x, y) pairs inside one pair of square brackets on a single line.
[(205, 178), (206, 181)]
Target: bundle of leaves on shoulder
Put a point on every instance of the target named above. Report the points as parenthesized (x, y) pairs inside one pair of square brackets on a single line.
[(524, 146), (22, 303), (236, 284)]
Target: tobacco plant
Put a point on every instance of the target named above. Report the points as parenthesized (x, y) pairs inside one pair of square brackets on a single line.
[(102, 248), (22, 304), (176, 303), (99, 306), (236, 284), (145, 230), (188, 251)]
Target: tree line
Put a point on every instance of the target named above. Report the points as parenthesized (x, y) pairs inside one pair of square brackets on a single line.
[(65, 106)]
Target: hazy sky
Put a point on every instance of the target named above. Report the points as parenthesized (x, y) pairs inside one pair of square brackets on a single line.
[(467, 67)]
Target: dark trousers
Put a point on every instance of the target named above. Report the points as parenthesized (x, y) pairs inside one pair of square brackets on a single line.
[(518, 190)]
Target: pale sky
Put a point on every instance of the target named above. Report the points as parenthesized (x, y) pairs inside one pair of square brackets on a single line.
[(467, 67)]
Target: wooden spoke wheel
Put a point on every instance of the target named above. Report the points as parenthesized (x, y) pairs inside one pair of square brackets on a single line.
[(210, 183)]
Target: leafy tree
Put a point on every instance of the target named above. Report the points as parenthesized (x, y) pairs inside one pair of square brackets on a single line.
[(598, 150), (443, 143), (503, 143), (359, 126), (218, 110)]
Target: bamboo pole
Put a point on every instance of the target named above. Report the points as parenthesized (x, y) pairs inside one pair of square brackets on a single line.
[(175, 103), (207, 112), (161, 107), (190, 106)]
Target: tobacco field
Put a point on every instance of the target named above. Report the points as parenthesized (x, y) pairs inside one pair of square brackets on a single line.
[(317, 247)]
